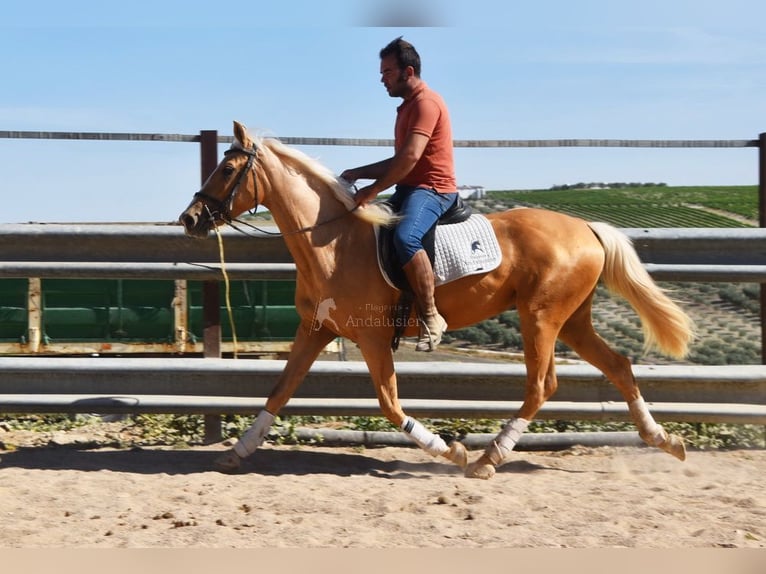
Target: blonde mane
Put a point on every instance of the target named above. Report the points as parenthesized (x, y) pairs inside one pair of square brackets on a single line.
[(371, 213)]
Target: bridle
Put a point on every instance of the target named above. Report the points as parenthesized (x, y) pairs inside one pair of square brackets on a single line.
[(222, 207)]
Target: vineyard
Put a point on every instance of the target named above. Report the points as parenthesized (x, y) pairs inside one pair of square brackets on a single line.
[(659, 206), (726, 315)]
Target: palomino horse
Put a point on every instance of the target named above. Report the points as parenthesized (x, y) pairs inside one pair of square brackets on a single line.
[(549, 271)]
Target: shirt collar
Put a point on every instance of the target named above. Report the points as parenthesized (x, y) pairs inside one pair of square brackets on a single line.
[(419, 90)]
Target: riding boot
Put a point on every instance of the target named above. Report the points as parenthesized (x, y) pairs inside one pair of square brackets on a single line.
[(420, 276)]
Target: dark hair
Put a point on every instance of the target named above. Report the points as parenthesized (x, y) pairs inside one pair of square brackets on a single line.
[(405, 53)]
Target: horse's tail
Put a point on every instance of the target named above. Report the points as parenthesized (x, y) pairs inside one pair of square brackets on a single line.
[(665, 325)]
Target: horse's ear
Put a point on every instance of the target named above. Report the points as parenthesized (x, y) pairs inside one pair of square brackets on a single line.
[(240, 133)]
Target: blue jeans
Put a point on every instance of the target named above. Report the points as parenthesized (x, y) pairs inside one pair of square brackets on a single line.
[(420, 208)]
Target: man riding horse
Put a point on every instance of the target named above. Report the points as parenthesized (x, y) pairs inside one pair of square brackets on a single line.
[(422, 168)]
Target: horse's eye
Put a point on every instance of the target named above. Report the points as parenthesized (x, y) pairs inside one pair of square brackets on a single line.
[(228, 171)]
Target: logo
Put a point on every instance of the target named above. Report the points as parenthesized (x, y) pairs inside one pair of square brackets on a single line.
[(369, 315), (322, 314)]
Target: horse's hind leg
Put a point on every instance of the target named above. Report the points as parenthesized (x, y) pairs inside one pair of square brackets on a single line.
[(306, 348), (380, 363), (579, 334)]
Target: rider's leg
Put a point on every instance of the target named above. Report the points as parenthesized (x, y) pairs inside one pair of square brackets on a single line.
[(420, 276), (420, 209)]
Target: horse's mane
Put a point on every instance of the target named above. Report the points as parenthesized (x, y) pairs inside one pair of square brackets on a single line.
[(371, 213)]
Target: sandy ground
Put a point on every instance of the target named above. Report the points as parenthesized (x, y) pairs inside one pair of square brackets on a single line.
[(323, 497)]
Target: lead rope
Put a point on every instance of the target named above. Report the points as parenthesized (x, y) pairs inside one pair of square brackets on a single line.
[(227, 288)]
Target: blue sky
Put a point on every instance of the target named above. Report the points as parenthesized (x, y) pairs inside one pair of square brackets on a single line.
[(676, 69)]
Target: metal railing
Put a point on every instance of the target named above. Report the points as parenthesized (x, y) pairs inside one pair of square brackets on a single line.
[(135, 251), (733, 394)]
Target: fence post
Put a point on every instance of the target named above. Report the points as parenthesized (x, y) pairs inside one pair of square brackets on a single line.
[(762, 222), (211, 309), (34, 313)]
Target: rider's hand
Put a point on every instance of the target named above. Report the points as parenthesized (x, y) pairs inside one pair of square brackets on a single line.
[(365, 195), (349, 176)]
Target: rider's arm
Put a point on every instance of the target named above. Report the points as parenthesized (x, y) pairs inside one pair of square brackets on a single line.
[(371, 171), (393, 170)]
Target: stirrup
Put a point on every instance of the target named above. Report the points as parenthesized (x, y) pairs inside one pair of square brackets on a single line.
[(427, 342)]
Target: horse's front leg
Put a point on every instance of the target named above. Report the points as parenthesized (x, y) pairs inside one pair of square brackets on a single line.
[(380, 362), (541, 383), (306, 348)]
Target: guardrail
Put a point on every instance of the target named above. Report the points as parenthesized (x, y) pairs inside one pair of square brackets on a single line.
[(214, 386), (731, 394), (163, 251), (734, 394)]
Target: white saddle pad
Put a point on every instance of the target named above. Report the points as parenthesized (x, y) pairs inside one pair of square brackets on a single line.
[(466, 248), (461, 249)]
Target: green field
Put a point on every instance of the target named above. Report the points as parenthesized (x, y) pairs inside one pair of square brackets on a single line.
[(727, 315), (640, 206)]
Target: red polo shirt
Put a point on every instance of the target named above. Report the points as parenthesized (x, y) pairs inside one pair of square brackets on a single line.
[(426, 113)]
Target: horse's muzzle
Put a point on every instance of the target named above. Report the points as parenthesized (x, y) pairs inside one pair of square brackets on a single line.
[(196, 223)]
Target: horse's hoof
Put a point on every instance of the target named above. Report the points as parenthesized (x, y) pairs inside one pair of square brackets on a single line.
[(228, 462), (457, 454), (675, 446), (482, 468)]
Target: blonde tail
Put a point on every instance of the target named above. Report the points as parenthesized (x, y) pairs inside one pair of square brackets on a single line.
[(665, 326)]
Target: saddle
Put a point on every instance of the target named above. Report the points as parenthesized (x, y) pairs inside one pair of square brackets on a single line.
[(387, 259), (460, 243)]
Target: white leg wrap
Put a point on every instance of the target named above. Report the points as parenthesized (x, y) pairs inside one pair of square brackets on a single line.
[(506, 440), (648, 428), (255, 435), (432, 443)]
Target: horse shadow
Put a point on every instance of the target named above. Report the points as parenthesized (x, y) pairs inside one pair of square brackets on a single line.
[(267, 462)]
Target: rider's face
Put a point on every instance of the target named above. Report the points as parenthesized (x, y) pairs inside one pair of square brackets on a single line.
[(393, 77)]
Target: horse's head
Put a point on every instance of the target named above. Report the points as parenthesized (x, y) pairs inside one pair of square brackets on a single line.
[(229, 191)]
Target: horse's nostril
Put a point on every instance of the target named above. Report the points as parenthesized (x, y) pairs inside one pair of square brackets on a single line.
[(187, 220)]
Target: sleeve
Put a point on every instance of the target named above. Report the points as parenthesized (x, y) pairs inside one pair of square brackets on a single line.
[(424, 118)]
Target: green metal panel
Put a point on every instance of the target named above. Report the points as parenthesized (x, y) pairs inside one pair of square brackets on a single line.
[(108, 310), (263, 310), (133, 311), (13, 310)]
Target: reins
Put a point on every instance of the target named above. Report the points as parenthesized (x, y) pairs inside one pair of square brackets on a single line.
[(306, 229), (224, 206)]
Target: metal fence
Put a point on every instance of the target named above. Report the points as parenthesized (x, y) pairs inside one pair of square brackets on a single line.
[(731, 394), (214, 386), (217, 386)]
